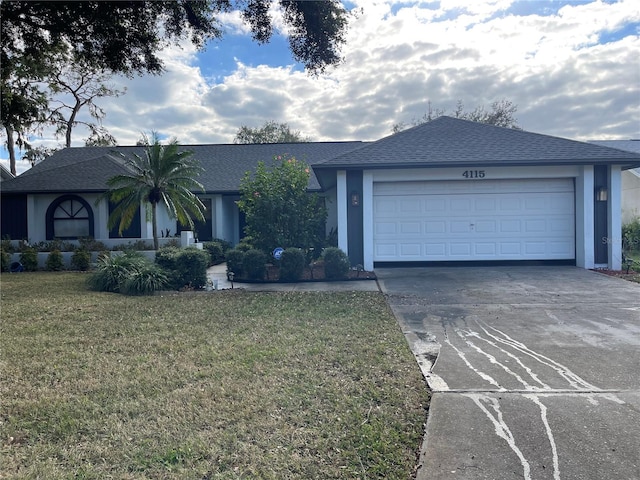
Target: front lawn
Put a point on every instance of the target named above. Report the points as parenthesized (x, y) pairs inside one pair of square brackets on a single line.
[(219, 385)]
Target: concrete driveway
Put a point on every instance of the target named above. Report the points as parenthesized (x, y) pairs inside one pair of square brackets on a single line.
[(535, 371)]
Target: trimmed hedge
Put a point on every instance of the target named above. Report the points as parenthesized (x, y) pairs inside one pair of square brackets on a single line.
[(186, 267), (54, 262), (292, 264), (216, 252), (336, 263), (235, 259), (29, 259), (254, 264), (81, 260)]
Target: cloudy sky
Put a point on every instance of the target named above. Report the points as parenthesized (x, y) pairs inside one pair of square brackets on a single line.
[(571, 67)]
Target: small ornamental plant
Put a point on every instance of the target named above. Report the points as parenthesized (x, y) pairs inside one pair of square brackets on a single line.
[(54, 261), (336, 263), (292, 264)]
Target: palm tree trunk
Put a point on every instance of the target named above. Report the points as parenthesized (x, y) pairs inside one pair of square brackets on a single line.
[(154, 224)]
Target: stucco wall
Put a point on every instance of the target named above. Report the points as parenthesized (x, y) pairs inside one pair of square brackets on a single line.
[(630, 196)]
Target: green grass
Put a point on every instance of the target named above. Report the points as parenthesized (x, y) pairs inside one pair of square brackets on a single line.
[(221, 385)]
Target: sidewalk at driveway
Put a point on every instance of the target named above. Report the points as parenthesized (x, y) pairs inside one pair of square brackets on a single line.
[(533, 370), (218, 276)]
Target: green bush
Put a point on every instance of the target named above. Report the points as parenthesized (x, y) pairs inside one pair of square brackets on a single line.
[(54, 262), (336, 263), (235, 259), (216, 252), (5, 263), (91, 245), (130, 274), (245, 244), (631, 235), (185, 267), (144, 280), (29, 259), (166, 257), (81, 260), (6, 245), (254, 264), (292, 264), (226, 246), (279, 210)]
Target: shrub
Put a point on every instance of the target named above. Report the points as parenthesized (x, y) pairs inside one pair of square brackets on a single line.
[(6, 245), (631, 235), (112, 272), (216, 252), (336, 263), (81, 260), (254, 264), (226, 246), (245, 244), (54, 261), (5, 261), (91, 245), (185, 267), (29, 259), (292, 264), (235, 259), (193, 265), (144, 280), (279, 211)]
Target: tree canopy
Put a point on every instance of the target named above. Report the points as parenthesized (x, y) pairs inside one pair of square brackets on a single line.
[(126, 38), (501, 114), (270, 132)]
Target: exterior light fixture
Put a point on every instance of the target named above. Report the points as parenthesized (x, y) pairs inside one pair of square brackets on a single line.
[(355, 199), (601, 194)]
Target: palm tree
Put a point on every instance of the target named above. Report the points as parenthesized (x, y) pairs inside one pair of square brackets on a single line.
[(164, 174)]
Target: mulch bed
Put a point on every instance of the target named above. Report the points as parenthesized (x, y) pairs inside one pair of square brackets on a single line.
[(632, 276), (312, 275)]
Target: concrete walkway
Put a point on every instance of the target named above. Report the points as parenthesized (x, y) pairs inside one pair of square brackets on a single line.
[(218, 276)]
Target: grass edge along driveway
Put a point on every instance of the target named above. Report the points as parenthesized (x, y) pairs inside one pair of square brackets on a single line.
[(226, 384)]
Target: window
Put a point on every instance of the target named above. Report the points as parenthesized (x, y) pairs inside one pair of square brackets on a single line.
[(132, 231), (69, 217)]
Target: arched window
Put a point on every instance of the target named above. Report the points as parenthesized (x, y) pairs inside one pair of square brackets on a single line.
[(69, 217)]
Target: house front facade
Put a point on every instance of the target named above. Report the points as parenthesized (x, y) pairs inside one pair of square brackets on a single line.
[(446, 191)]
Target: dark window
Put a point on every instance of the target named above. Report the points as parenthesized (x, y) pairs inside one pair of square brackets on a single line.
[(203, 230), (132, 231), (14, 217), (69, 217)]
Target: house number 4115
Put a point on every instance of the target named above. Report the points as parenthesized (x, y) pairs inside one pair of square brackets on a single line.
[(473, 174)]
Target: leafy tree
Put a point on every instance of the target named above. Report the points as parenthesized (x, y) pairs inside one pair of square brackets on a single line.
[(279, 210), (23, 102), (163, 175), (36, 155), (81, 84), (126, 38), (270, 132), (501, 114)]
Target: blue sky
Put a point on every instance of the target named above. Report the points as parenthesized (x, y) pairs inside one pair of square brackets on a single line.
[(571, 67)]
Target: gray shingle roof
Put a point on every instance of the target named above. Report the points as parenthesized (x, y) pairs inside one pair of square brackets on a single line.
[(447, 142), (87, 169)]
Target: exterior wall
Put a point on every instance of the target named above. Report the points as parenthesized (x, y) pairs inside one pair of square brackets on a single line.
[(630, 196), (225, 219), (584, 203)]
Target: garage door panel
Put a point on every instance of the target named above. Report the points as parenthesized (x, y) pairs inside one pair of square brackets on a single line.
[(503, 220)]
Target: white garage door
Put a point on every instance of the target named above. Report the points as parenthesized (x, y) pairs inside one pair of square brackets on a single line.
[(474, 220)]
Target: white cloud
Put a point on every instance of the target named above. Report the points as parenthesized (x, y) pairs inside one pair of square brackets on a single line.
[(397, 58)]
